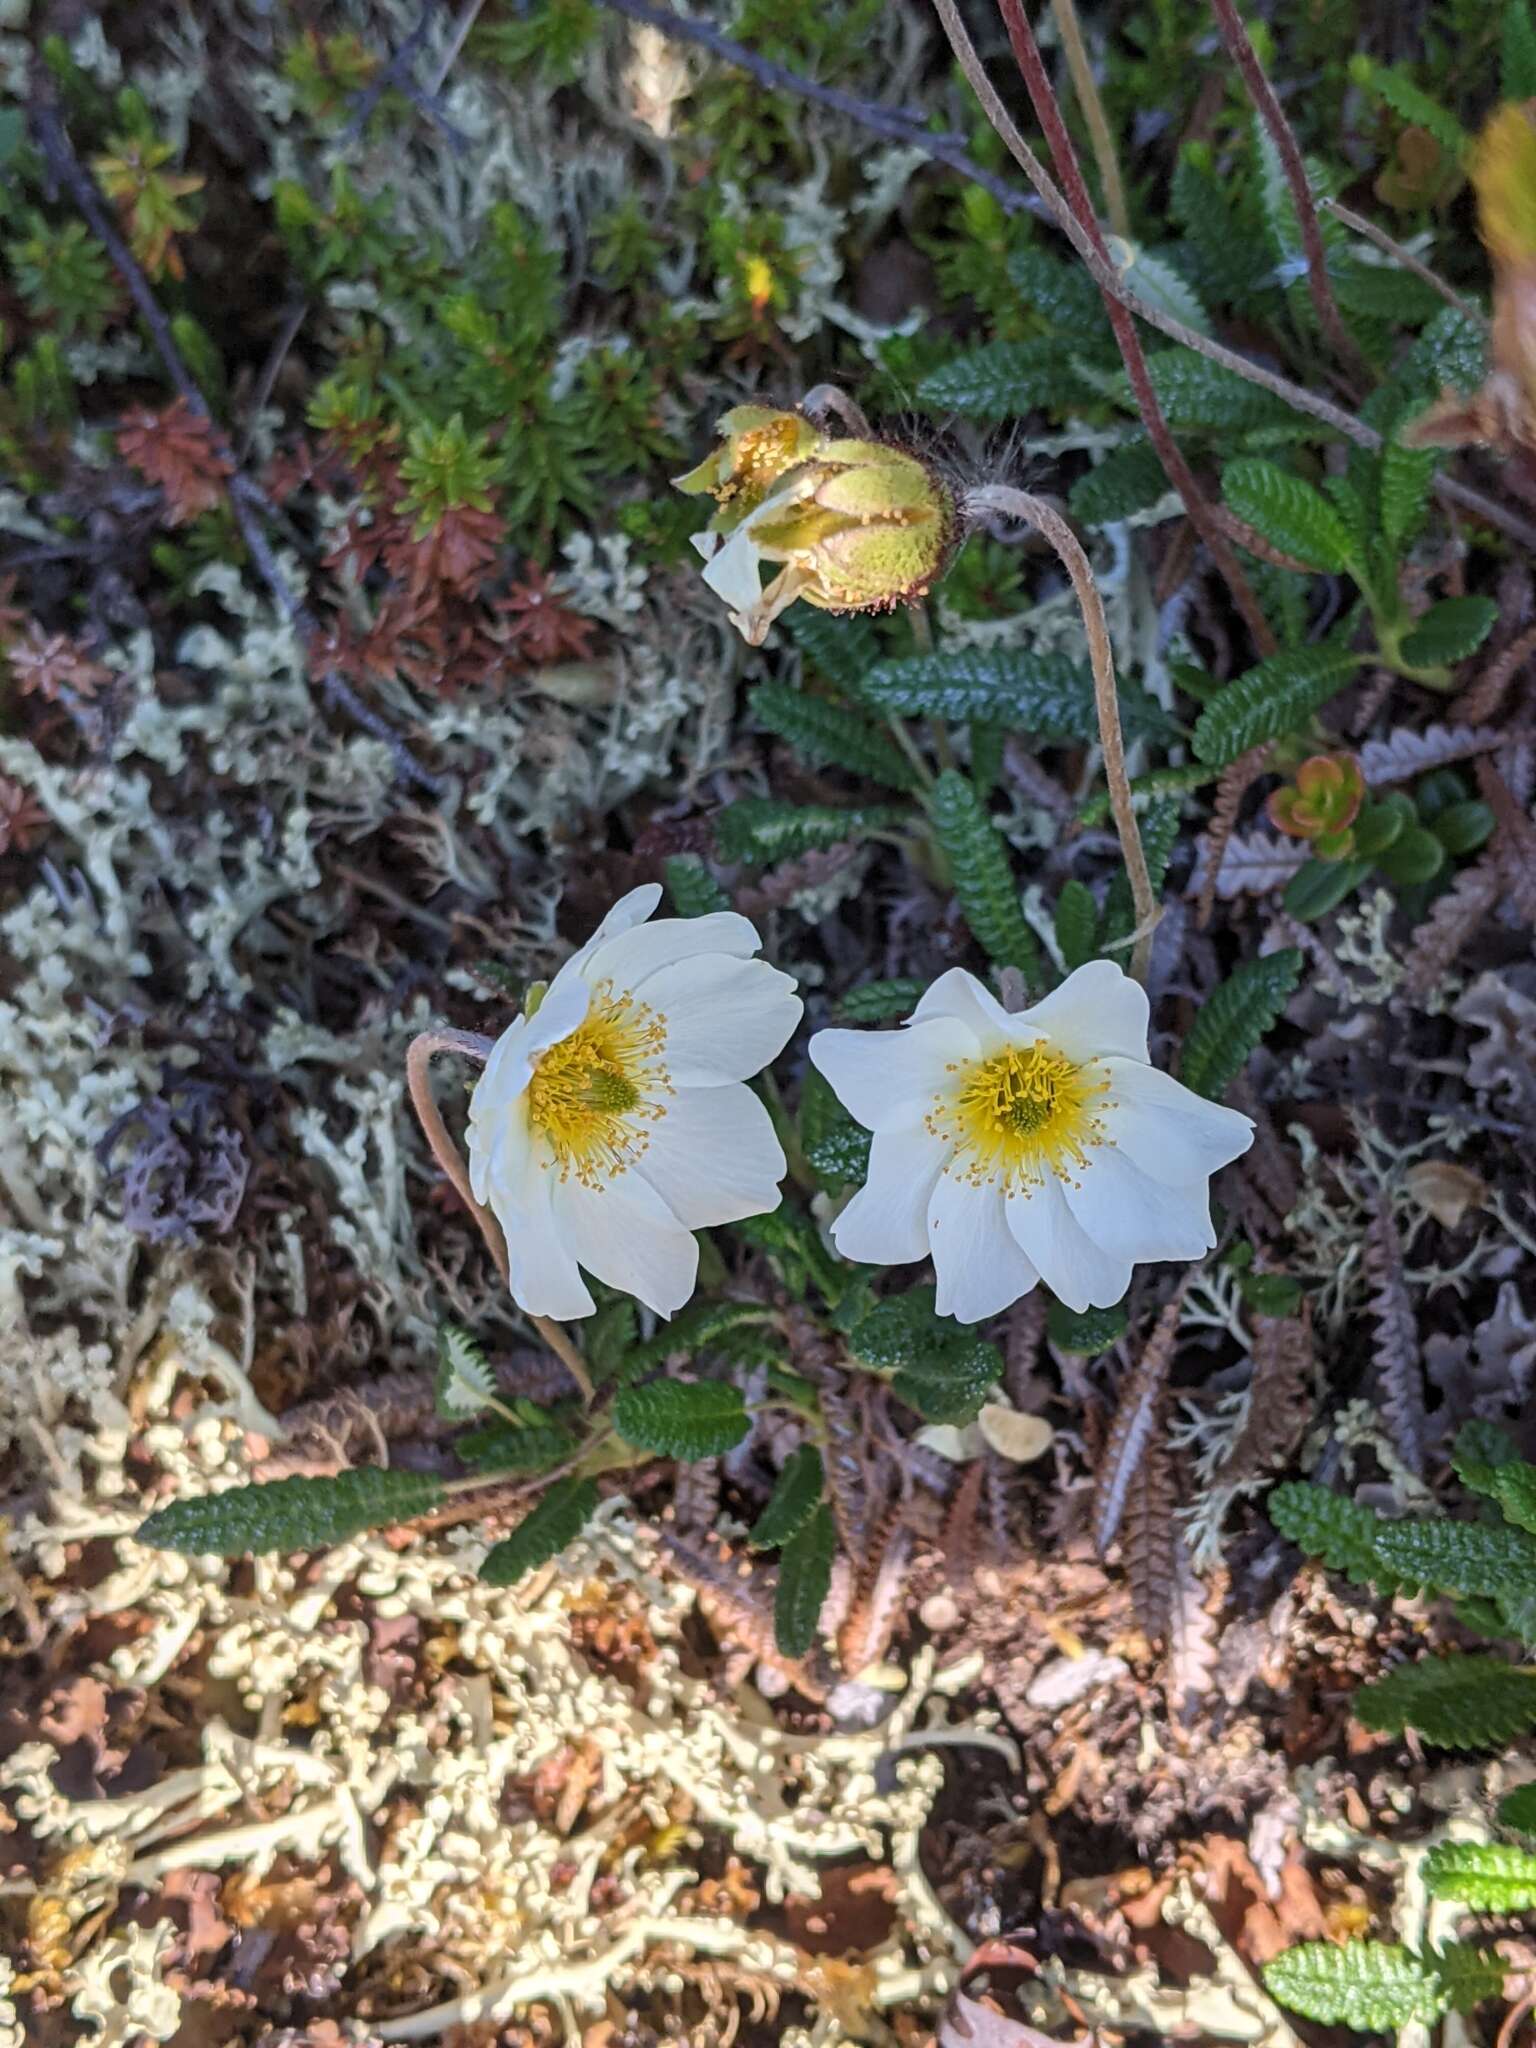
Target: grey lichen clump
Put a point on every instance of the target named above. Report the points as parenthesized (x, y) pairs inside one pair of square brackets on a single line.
[(408, 1793)]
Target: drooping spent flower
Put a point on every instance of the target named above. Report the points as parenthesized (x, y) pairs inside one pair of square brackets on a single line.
[(1321, 802), (1014, 1148), (610, 1121), (850, 525)]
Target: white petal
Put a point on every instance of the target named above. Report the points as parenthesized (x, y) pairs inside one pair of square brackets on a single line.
[(542, 1271), (731, 571), (1135, 1218), (1098, 1010), (959, 994), (630, 910), (979, 1265), (887, 1080), (624, 1233), (1175, 1136), (1078, 1272), (493, 1100), (563, 1010), (886, 1223), (714, 1157), (628, 960), (726, 1019)]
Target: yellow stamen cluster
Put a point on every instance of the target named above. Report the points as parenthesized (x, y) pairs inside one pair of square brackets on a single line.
[(1020, 1116), (595, 1094)]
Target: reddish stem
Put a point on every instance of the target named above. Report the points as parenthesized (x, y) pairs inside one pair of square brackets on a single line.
[(1240, 49), (1048, 113)]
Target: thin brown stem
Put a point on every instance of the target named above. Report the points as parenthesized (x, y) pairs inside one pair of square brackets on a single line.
[(1086, 87), (1406, 260), (418, 1060), (1074, 205), (1048, 522), (1240, 49)]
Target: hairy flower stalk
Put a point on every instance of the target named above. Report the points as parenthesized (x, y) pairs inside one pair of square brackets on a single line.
[(1014, 1147)]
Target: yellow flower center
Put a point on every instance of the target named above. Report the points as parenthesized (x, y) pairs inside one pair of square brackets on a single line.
[(1019, 1116), (595, 1095)]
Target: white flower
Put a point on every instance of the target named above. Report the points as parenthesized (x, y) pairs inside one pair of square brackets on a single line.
[(1018, 1148), (612, 1122)]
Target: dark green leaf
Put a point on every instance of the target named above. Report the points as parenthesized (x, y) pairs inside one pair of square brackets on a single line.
[(1002, 379), (1288, 512), (687, 1419), (983, 877), (878, 1002), (1129, 480), (1517, 1809), (1517, 57), (831, 735), (291, 1514), (843, 647), (1458, 1702), (794, 1499), (1462, 828), (1321, 886), (1277, 697), (1049, 695), (841, 1157), (558, 1519), (692, 888), (1234, 1017), (805, 1578), (762, 829), (506, 1447), (1449, 631), (1414, 856), (1077, 923), (1086, 1332)]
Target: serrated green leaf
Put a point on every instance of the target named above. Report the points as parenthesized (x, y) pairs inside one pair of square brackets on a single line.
[(794, 1243), (1198, 395), (548, 1528), (1459, 1702), (877, 1002), (984, 884), (842, 646), (763, 830), (1380, 291), (795, 1497), (1159, 827), (1514, 1488), (1048, 695), (1288, 512), (1077, 923), (1370, 1985), (1085, 1332), (1517, 53), (1468, 1975), (1146, 789), (1403, 491), (697, 1329), (609, 1338), (692, 888), (1234, 1017), (1517, 1809), (940, 1368), (805, 1578), (1063, 296), (687, 1419), (1002, 379), (1416, 107), (1490, 1877), (1130, 479), (508, 1447), (1449, 631), (465, 1381), (1339, 1531), (831, 735), (291, 1514), (1159, 284), (1276, 697)]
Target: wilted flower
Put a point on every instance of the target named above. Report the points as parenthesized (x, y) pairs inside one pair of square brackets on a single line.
[(1321, 803), (855, 525), (610, 1121), (1022, 1147)]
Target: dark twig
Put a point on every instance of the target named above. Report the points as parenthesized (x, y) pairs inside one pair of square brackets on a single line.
[(1240, 49), (271, 370), (248, 502), (880, 120), (1042, 95), (396, 75)]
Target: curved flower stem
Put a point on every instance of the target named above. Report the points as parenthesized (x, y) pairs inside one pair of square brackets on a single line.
[(1234, 34), (471, 1045), (1049, 523)]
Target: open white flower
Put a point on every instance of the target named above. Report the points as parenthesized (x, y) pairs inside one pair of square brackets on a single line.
[(1018, 1148), (611, 1122)]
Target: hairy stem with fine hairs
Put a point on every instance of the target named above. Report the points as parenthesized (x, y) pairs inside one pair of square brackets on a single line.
[(418, 1060), (1048, 522)]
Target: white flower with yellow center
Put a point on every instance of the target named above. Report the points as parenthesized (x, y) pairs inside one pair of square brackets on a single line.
[(610, 1121), (1027, 1147)]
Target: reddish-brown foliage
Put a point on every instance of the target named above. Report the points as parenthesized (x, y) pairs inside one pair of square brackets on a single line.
[(175, 450)]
